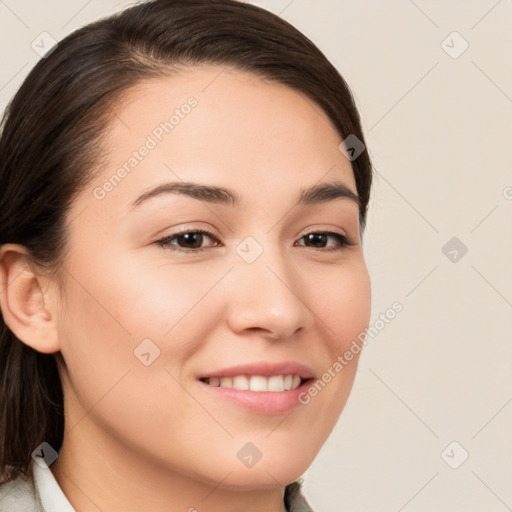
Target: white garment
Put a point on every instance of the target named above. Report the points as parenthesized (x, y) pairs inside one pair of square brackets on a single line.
[(42, 495), (50, 494)]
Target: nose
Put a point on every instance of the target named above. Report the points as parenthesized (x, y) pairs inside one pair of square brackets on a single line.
[(268, 297)]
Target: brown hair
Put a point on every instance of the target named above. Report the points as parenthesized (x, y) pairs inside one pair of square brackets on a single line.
[(50, 145)]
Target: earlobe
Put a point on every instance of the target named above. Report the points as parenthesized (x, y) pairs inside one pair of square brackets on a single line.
[(26, 309)]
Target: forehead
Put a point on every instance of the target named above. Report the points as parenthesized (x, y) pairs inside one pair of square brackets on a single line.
[(219, 125)]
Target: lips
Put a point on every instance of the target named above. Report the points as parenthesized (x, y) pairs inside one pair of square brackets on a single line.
[(258, 402), (263, 369), (264, 388)]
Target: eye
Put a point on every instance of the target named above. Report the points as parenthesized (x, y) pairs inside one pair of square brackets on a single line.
[(192, 241), (189, 241), (319, 239)]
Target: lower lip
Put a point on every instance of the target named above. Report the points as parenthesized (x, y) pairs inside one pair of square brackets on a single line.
[(261, 402)]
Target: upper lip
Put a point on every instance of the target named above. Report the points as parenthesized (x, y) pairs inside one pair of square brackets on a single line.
[(265, 369)]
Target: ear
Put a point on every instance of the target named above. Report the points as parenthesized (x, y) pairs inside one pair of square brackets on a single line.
[(26, 309)]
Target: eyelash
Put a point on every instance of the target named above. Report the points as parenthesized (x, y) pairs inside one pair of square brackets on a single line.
[(343, 241)]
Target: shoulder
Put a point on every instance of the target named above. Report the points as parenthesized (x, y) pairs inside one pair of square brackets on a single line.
[(19, 495), (294, 499)]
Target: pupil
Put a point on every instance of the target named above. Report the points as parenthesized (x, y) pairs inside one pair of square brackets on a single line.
[(316, 238), (189, 238)]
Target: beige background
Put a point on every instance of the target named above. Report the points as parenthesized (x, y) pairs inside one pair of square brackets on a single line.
[(439, 132)]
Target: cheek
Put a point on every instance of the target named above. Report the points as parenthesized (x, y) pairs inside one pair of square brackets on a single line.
[(344, 306), (152, 296), (107, 317), (343, 303), (112, 306)]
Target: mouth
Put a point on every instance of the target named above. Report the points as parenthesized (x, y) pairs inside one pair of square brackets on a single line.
[(257, 383), (264, 388)]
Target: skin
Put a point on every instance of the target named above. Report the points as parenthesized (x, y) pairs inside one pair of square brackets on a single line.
[(148, 437)]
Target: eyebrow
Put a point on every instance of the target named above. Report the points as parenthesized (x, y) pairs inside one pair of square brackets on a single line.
[(212, 194)]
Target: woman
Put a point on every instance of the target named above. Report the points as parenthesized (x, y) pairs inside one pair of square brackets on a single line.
[(184, 194)]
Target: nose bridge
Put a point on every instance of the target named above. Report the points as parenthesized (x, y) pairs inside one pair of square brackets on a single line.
[(266, 291)]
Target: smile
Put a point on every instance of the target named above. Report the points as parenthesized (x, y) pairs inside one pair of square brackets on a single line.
[(274, 383)]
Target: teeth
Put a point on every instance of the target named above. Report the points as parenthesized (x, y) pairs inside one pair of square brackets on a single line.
[(276, 383), (241, 382), (257, 382), (226, 382)]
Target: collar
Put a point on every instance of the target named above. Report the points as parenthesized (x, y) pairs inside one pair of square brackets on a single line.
[(48, 490)]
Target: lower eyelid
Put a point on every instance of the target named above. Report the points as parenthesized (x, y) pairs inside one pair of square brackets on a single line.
[(166, 240), (343, 240)]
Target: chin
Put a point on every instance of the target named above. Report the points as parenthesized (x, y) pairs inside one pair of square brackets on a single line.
[(276, 467), (269, 477)]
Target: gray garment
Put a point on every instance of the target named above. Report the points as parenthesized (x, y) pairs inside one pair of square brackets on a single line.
[(43, 494)]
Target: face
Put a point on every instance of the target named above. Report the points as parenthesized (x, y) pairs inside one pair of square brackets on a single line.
[(169, 295)]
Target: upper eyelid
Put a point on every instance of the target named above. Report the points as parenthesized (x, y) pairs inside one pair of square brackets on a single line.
[(349, 241), (214, 235)]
